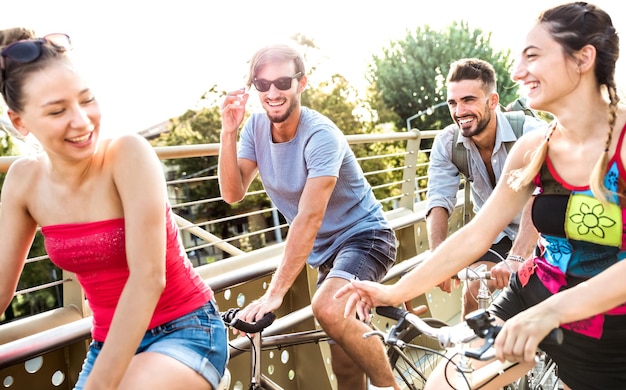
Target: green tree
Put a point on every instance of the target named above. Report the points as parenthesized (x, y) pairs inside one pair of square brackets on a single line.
[(8, 147), (336, 99), (409, 75)]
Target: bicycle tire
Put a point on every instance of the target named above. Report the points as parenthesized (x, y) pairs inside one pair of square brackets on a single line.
[(412, 374)]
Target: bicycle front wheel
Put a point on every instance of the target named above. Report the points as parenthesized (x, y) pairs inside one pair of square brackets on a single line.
[(413, 364)]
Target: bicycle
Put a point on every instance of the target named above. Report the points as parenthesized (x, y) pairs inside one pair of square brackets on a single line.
[(544, 375), (477, 324), (422, 360)]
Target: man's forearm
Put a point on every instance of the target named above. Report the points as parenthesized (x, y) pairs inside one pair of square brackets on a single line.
[(294, 259), (437, 226), (229, 174)]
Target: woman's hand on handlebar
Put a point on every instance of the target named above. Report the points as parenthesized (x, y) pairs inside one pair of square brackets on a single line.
[(520, 336), (362, 296)]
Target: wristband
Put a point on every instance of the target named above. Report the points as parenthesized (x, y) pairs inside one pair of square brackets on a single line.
[(516, 258)]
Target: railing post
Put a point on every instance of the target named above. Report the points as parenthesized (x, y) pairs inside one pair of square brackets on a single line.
[(408, 237), (410, 172), (73, 294)]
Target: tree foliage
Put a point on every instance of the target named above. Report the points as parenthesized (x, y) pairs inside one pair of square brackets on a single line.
[(409, 75), (336, 99)]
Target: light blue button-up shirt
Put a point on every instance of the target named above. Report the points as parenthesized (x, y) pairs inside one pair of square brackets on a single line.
[(444, 177)]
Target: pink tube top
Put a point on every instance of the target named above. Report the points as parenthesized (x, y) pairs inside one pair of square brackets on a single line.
[(96, 253)]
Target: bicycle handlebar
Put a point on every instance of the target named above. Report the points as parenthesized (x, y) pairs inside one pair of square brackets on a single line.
[(230, 319), (477, 324), (469, 274)]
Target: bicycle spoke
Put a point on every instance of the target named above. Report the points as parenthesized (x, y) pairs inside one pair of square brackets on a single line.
[(417, 359)]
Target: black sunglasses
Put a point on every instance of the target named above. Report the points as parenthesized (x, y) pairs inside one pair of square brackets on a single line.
[(282, 83), (29, 50)]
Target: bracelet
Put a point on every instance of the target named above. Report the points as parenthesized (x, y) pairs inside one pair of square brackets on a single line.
[(519, 259)]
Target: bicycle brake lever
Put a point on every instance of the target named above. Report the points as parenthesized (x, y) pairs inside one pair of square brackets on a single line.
[(374, 333), (479, 353)]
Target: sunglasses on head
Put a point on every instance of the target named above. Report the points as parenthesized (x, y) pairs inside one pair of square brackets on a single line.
[(282, 83), (29, 50)]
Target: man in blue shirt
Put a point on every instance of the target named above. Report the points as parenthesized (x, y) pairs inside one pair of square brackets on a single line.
[(483, 130), (335, 222)]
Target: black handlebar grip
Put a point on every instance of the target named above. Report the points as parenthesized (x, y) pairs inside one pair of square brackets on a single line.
[(391, 312), (247, 327)]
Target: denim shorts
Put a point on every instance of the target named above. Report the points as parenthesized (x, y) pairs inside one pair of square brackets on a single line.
[(197, 339), (367, 255)]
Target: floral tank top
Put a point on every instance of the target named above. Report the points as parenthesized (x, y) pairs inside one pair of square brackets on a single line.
[(579, 235)]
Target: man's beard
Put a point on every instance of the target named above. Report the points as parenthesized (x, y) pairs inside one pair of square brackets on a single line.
[(480, 126), (280, 119)]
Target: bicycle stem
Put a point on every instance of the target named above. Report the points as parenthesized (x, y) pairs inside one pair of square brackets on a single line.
[(255, 368), (484, 295)]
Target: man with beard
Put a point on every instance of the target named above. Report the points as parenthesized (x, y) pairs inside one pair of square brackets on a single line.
[(483, 130), (335, 222)]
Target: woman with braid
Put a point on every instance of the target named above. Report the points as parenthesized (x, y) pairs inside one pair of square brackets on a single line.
[(576, 281)]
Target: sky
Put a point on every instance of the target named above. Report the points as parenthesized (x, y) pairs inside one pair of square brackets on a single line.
[(148, 62)]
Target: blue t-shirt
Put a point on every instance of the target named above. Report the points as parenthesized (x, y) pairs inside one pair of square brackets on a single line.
[(318, 149)]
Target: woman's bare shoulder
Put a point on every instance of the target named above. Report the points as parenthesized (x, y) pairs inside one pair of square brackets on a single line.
[(130, 140), (126, 148), (23, 175), (26, 166)]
